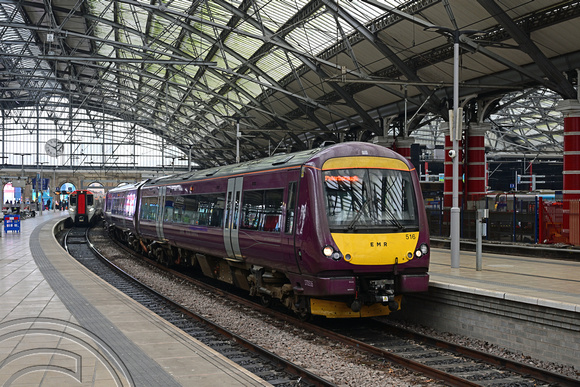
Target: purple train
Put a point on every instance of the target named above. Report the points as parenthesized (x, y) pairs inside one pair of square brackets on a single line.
[(339, 231)]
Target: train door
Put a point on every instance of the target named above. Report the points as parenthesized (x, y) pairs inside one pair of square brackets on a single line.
[(231, 217), (160, 213), (291, 251)]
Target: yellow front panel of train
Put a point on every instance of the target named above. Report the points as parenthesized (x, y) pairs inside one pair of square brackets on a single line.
[(364, 162), (376, 249)]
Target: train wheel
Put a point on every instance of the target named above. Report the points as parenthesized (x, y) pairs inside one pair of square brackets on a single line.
[(266, 300), (304, 316)]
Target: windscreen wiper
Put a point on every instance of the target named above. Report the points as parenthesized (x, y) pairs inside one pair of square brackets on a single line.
[(394, 219), (351, 226)]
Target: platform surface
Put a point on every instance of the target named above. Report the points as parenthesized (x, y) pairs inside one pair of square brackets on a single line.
[(62, 326), (545, 282)]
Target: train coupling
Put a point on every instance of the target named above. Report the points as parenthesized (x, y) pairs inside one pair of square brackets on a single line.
[(389, 300)]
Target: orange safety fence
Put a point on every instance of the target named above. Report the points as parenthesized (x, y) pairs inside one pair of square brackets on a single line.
[(551, 216), (552, 227)]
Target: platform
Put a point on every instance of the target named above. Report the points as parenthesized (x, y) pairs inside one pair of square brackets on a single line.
[(528, 305), (545, 282), (61, 325)]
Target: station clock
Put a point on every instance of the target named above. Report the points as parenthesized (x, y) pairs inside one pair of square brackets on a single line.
[(54, 148)]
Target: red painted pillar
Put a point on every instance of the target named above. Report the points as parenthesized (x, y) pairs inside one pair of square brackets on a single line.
[(571, 189), (404, 147), (476, 174), (448, 170)]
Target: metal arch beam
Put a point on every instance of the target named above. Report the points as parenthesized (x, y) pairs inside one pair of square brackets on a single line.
[(271, 36), (410, 74), (116, 30), (248, 66), (563, 87), (121, 111), (155, 10), (466, 41), (285, 29)]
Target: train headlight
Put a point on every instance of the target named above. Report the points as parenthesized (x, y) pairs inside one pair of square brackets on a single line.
[(329, 252), (422, 250)]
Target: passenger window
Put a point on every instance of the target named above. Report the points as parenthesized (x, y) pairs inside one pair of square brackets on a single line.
[(168, 215), (149, 208), (273, 210), (199, 210), (262, 210), (252, 210)]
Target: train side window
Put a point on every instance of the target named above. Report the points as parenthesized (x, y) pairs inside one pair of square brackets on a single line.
[(290, 207), (273, 210), (190, 209), (262, 210), (178, 209), (252, 210), (119, 206), (168, 214), (148, 208), (211, 207)]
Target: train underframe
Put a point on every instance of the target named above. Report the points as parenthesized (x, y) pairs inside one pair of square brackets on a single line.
[(373, 296)]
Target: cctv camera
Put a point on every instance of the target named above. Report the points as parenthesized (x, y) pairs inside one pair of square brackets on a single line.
[(452, 153)]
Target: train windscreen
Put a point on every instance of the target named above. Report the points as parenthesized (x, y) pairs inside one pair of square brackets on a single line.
[(370, 199)]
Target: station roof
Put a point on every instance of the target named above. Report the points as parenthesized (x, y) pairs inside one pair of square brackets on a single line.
[(289, 74)]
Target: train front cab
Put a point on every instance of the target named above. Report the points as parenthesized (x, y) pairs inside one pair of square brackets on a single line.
[(376, 234), (81, 207)]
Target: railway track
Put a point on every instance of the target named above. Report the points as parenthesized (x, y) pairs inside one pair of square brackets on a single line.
[(275, 370), (452, 364)]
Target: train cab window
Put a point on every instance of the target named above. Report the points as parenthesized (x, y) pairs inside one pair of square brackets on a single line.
[(73, 200), (262, 210), (370, 199), (90, 200)]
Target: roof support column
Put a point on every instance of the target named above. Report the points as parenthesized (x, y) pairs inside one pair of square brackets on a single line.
[(476, 174), (404, 147), (448, 169), (571, 190)]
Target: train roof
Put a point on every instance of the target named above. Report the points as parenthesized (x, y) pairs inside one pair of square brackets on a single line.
[(127, 186), (287, 160), (80, 191)]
